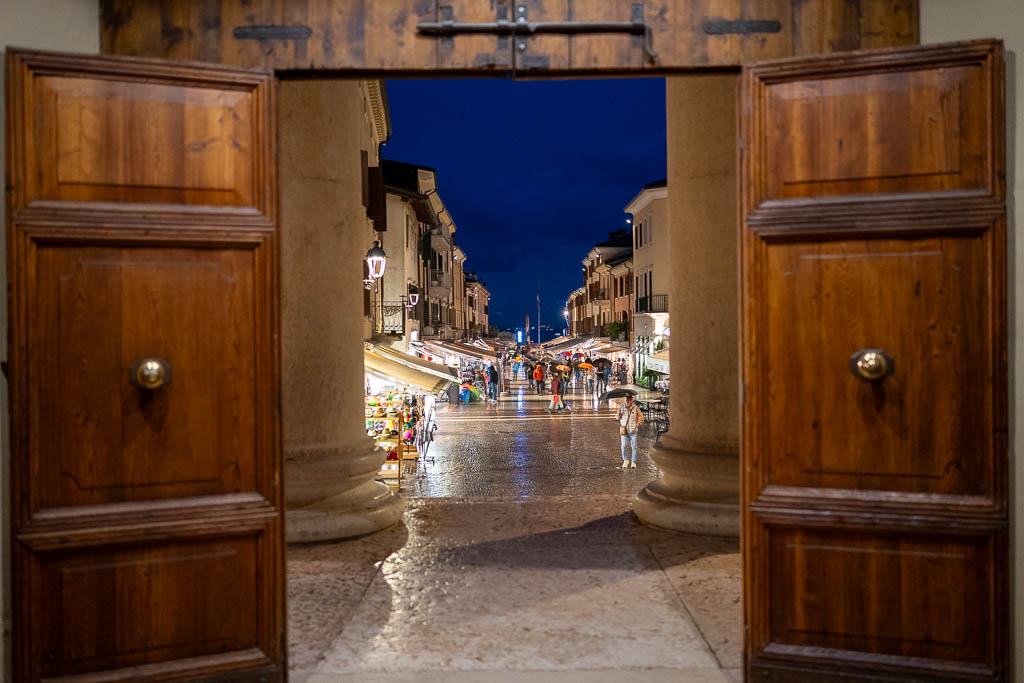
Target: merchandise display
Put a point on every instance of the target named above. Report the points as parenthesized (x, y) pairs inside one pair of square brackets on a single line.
[(401, 424)]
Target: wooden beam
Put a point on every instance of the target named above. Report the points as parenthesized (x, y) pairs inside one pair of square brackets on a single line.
[(364, 36)]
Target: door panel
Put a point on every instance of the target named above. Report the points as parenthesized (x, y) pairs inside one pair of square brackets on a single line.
[(147, 521), (194, 437), (147, 581), (926, 428), (829, 135), (875, 506), (929, 621), (203, 155)]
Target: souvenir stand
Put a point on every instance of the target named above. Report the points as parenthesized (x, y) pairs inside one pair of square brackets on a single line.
[(401, 422), (400, 405)]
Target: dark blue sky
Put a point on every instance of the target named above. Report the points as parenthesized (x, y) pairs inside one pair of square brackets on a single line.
[(533, 173)]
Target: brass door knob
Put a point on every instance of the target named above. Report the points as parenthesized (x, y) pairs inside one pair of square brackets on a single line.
[(151, 373), (871, 365)]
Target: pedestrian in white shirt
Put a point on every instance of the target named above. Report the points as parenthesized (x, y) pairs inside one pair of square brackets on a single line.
[(630, 418)]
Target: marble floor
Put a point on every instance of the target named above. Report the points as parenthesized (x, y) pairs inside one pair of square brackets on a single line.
[(518, 560)]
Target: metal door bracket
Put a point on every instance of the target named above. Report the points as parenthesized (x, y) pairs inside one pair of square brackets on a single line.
[(521, 27)]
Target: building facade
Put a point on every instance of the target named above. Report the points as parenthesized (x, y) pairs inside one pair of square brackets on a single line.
[(477, 305), (597, 280), (576, 305), (423, 260), (622, 298), (652, 270)]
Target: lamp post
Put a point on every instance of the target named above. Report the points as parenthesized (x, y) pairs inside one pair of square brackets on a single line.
[(565, 312), (414, 295)]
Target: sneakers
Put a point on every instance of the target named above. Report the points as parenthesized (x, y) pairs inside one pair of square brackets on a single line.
[(625, 464), (632, 465)]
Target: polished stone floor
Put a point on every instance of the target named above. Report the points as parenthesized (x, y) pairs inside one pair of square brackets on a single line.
[(518, 560)]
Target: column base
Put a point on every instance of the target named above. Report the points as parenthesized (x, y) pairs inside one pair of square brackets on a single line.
[(331, 494), (368, 508), (699, 491), (711, 519)]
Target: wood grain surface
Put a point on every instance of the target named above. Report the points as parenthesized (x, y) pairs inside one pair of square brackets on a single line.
[(142, 216), (875, 512), (327, 35)]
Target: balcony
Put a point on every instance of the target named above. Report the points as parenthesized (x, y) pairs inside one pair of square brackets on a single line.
[(599, 294), (439, 241), (440, 284), (655, 303), (389, 319)]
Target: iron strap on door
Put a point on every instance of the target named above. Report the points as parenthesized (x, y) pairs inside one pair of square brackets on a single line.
[(521, 28)]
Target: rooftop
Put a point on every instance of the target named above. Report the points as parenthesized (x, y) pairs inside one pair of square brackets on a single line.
[(403, 175)]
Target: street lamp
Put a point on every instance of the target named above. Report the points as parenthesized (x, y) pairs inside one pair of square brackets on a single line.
[(414, 295), (376, 260)]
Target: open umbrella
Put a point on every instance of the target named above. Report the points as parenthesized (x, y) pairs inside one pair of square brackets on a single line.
[(616, 393), (585, 366), (602, 363), (564, 368)]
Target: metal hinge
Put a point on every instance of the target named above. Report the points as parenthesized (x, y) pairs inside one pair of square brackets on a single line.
[(521, 27)]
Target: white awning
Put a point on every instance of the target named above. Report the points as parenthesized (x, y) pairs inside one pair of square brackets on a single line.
[(403, 374), (415, 362)]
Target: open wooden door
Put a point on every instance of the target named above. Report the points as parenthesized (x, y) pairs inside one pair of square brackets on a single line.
[(874, 362), (145, 459)]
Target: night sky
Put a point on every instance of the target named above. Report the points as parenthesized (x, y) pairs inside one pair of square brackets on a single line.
[(533, 173)]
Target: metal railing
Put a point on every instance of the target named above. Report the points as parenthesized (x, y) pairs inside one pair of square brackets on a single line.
[(442, 280), (655, 303), (389, 318)]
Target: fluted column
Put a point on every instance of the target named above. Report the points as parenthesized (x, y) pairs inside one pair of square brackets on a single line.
[(330, 462), (699, 456)]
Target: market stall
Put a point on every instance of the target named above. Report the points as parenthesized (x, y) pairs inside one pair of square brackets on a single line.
[(471, 361), (401, 393)]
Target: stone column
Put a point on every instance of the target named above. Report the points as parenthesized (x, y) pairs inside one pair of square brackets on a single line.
[(330, 462), (699, 456)]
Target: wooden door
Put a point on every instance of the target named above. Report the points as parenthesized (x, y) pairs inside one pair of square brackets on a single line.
[(146, 516), (875, 486)]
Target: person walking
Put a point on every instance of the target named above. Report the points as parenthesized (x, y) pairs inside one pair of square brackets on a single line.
[(630, 418), (565, 388), (492, 386), (556, 387), (602, 379), (538, 377)]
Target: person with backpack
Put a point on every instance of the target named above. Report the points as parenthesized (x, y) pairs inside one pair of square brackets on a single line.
[(538, 377)]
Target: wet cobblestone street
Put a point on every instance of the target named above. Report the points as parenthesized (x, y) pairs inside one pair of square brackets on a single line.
[(514, 448), (519, 561)]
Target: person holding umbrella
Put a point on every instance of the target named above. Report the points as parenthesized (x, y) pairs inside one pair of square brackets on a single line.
[(630, 418)]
